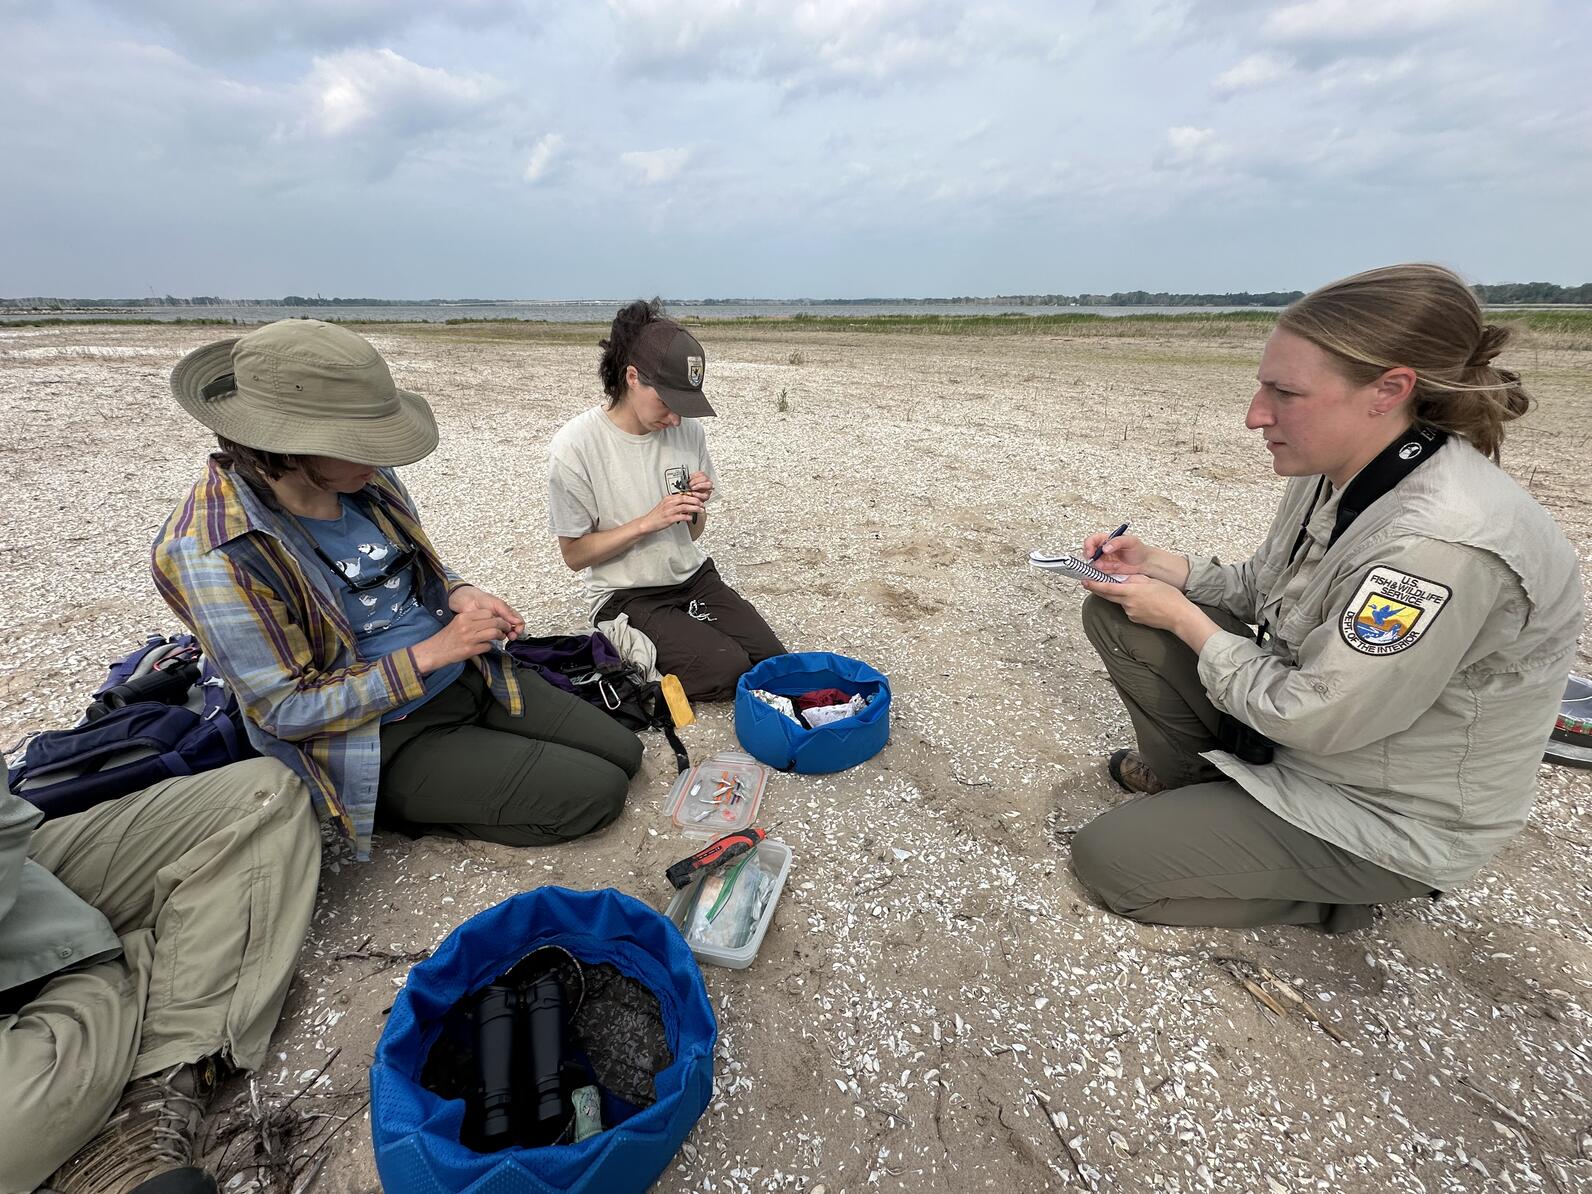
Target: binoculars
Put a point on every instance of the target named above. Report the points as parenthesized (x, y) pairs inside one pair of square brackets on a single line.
[(167, 682), (1246, 744), (519, 1052)]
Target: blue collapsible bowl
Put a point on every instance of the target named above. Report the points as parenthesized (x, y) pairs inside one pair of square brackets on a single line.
[(768, 735), (416, 1132)]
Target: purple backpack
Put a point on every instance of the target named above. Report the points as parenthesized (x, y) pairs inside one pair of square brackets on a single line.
[(590, 667), (162, 711)]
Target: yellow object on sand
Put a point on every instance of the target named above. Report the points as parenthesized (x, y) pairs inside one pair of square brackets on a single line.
[(674, 695)]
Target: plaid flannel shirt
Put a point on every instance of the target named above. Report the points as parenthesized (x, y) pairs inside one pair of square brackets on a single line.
[(229, 567)]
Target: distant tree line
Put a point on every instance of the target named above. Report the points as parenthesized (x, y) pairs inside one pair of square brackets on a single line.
[(1160, 298), (1499, 293), (210, 300), (1534, 292)]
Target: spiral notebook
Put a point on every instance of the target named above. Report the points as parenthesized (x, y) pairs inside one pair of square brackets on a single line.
[(1070, 566)]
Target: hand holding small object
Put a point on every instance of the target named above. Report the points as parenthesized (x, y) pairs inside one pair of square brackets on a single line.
[(1118, 552), (676, 507)]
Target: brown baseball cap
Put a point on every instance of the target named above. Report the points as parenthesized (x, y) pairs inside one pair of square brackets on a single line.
[(671, 361)]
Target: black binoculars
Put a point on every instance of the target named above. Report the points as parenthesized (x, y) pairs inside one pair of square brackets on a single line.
[(1246, 744), (168, 682), (519, 1039)]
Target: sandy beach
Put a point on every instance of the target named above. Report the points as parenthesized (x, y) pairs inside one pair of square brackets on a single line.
[(938, 1006)]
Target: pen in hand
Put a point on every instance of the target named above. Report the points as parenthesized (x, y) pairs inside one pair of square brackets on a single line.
[(1101, 549)]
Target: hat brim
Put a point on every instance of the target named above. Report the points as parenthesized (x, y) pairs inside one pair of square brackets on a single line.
[(402, 437), (688, 404)]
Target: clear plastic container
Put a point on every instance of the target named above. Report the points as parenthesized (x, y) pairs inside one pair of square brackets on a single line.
[(719, 795), (773, 858)]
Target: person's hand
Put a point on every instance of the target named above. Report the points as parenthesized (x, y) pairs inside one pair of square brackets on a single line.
[(471, 632), (677, 507), (1147, 602), (1120, 556), (701, 485), (1154, 603), (468, 597)]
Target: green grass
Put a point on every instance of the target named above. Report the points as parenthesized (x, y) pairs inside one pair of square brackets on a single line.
[(1572, 320), (1570, 328), (1010, 324)]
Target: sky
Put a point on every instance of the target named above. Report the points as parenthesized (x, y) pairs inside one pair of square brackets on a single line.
[(785, 148)]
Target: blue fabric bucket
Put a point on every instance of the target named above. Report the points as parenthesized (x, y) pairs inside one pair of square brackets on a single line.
[(416, 1132), (789, 746)]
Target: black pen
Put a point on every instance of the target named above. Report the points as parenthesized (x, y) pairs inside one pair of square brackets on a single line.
[(1101, 549)]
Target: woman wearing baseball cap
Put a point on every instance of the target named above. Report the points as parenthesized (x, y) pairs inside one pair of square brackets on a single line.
[(628, 487), (360, 659)]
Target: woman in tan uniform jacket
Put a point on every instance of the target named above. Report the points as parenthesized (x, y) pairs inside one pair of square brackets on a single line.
[(1355, 714)]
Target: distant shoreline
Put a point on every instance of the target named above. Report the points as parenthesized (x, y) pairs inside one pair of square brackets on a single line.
[(1561, 318)]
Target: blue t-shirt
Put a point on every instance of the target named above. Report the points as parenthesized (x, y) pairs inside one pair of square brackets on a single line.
[(387, 616)]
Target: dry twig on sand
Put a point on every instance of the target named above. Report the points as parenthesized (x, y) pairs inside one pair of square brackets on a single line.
[(1258, 989), (1066, 1147), (277, 1157), (386, 956), (1520, 1126)]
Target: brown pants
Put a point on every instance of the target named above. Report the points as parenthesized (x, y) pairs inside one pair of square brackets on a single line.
[(209, 881), (1205, 852), (708, 649)]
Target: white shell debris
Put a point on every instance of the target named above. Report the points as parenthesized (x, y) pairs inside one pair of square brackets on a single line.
[(941, 963)]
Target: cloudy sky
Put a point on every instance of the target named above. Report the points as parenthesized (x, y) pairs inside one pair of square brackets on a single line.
[(785, 148)]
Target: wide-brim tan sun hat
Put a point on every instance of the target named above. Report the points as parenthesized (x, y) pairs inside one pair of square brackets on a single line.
[(301, 387)]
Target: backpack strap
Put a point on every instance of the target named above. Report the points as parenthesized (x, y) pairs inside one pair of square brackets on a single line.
[(657, 710), (681, 759)]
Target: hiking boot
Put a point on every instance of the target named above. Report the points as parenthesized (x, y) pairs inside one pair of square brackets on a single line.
[(147, 1145), (1132, 773)]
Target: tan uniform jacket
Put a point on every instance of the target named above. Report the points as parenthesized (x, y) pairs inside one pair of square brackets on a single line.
[(1413, 671)]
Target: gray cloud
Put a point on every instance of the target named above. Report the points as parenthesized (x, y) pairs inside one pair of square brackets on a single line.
[(827, 43), (244, 28), (821, 148)]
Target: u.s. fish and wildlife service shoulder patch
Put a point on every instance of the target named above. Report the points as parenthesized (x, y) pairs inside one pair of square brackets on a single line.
[(1391, 611)]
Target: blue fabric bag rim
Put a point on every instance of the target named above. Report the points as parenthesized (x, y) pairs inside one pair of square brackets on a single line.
[(416, 1021), (851, 740)]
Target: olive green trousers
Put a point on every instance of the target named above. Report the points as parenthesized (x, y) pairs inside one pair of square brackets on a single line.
[(1205, 852), (460, 766)]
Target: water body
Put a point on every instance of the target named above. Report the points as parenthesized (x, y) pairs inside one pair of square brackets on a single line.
[(595, 311)]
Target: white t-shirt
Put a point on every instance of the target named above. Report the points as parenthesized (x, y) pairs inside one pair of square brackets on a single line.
[(599, 478)]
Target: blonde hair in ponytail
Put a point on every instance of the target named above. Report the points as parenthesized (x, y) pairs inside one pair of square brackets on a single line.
[(1425, 318)]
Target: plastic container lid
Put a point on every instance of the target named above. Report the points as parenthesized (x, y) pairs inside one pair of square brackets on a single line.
[(704, 798), (774, 859)]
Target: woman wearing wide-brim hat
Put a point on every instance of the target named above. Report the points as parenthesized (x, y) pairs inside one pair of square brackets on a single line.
[(360, 659)]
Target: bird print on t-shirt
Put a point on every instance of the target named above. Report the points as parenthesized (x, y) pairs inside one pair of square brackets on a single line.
[(396, 595)]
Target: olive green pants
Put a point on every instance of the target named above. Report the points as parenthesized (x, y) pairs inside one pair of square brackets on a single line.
[(461, 766), (209, 881), (1205, 852)]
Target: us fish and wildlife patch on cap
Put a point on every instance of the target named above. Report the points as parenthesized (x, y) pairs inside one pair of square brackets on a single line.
[(1391, 611)]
